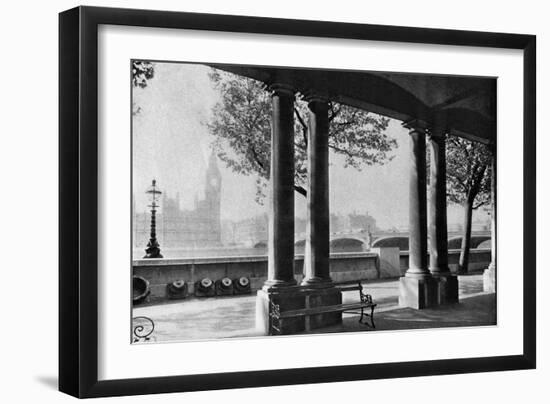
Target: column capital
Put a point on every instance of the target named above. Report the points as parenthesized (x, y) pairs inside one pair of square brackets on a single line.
[(281, 89), (438, 128), (315, 96), (416, 125), (435, 135)]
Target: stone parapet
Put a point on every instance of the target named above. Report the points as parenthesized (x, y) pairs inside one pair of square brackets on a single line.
[(365, 266)]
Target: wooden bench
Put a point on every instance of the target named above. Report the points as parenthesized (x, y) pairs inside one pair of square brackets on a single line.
[(365, 303)]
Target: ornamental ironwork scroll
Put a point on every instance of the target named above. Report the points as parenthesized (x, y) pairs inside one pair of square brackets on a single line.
[(143, 329)]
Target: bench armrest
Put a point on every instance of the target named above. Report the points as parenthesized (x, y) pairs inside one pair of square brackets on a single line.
[(365, 298)]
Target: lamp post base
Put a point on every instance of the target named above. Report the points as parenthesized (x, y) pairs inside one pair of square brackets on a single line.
[(153, 252)]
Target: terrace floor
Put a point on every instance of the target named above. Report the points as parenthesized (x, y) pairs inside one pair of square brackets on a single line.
[(234, 316)]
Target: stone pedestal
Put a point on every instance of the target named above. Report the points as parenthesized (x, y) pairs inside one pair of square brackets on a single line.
[(489, 279), (286, 302), (262, 313), (325, 297), (447, 289), (417, 292), (299, 300), (388, 262)]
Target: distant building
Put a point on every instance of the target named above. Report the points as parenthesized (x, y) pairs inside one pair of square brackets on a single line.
[(352, 222), (251, 231), (180, 228)]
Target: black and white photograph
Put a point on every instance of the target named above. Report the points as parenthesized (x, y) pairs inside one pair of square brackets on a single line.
[(271, 200), (275, 202)]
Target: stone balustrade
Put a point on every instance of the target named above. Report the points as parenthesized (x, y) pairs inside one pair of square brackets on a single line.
[(381, 263)]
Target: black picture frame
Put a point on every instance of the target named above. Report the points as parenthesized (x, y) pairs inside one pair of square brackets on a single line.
[(78, 200)]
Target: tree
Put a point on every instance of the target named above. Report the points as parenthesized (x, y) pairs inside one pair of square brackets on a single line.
[(468, 184), (242, 120), (142, 71)]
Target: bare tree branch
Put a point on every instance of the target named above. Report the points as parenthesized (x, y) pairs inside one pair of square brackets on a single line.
[(299, 116), (257, 158), (301, 190)]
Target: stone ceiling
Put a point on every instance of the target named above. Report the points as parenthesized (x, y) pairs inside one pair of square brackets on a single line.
[(466, 103)]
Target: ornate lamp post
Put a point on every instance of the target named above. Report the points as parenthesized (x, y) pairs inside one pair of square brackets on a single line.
[(153, 250)]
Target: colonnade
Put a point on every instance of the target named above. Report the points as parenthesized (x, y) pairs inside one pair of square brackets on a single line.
[(281, 215), (428, 281)]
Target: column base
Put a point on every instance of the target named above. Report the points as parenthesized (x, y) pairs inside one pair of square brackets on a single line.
[(417, 292), (447, 288), (489, 279), (317, 282), (278, 284)]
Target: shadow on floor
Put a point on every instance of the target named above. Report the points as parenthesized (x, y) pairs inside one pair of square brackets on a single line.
[(471, 311)]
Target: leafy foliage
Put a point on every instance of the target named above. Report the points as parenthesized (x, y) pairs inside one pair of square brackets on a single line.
[(242, 120), (468, 184), (468, 172), (141, 72)]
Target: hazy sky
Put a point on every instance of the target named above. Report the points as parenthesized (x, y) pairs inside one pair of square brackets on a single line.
[(171, 143)]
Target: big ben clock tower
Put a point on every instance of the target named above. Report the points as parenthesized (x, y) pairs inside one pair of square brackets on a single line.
[(213, 195)]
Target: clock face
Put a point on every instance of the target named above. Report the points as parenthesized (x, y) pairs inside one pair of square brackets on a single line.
[(214, 182)]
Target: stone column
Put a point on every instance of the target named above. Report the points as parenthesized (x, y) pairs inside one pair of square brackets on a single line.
[(316, 258), (437, 211), (280, 268), (281, 218), (418, 231), (489, 275), (417, 287), (317, 249), (437, 220)]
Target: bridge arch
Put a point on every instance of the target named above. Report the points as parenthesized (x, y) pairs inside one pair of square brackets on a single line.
[(339, 244), (347, 244), (455, 243), (392, 241), (261, 244)]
